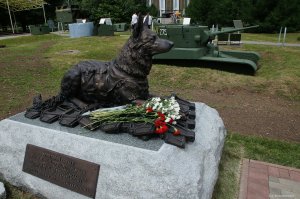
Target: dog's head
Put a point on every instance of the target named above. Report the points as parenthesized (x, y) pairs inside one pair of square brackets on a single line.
[(149, 40), (135, 57)]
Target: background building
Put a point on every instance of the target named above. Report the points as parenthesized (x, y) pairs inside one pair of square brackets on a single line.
[(169, 6)]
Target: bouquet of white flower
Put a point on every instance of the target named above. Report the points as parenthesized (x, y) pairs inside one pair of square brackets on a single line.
[(162, 117), (163, 113)]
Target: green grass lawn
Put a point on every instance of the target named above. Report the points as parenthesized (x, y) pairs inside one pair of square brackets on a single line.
[(36, 64), (290, 37)]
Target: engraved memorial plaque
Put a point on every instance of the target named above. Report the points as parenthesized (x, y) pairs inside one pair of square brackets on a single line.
[(66, 171)]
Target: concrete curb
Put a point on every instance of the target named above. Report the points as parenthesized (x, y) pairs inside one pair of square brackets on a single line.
[(270, 43)]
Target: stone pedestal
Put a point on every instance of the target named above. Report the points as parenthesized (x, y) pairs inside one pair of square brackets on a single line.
[(129, 167)]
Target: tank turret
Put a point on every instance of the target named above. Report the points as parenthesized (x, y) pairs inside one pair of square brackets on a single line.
[(192, 36), (195, 43)]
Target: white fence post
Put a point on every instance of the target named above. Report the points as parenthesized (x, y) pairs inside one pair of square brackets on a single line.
[(284, 36), (279, 38)]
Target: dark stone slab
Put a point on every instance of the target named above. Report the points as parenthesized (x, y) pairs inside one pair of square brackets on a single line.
[(121, 138)]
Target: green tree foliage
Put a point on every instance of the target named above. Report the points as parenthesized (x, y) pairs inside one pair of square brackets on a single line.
[(201, 11), (117, 10), (270, 15), (153, 11)]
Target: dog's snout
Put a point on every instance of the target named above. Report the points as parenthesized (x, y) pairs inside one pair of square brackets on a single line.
[(162, 46)]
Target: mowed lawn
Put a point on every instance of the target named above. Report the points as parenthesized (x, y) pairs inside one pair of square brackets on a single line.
[(36, 64), (290, 37)]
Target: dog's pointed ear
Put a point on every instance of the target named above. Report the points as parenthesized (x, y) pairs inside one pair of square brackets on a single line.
[(145, 24), (138, 28)]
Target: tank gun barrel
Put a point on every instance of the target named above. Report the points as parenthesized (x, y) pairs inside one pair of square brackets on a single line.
[(231, 30)]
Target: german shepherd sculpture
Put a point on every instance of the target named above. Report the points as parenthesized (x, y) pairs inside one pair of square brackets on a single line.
[(121, 80), (93, 84), (117, 82)]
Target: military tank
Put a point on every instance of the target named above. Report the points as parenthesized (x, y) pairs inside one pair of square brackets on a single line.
[(194, 43)]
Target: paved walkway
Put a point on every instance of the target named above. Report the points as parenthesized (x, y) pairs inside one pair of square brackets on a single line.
[(261, 180), (28, 34), (270, 43), (13, 36), (243, 42)]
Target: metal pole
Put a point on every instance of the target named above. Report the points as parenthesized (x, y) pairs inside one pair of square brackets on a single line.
[(11, 23), (284, 35), (44, 13), (15, 22), (279, 37)]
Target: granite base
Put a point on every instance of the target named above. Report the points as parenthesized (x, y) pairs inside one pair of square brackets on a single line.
[(128, 170)]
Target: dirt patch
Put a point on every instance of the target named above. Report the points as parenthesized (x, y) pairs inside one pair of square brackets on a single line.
[(253, 113), (69, 52)]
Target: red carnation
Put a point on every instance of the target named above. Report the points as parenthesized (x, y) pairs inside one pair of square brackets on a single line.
[(161, 129), (149, 110), (171, 121), (158, 122), (161, 115), (176, 132)]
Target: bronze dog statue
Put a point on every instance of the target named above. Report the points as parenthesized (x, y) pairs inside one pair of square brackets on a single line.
[(119, 81), (92, 84)]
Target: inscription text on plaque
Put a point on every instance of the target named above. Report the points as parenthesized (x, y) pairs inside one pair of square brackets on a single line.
[(66, 171)]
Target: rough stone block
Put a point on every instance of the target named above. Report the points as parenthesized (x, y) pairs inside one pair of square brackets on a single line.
[(129, 167)]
